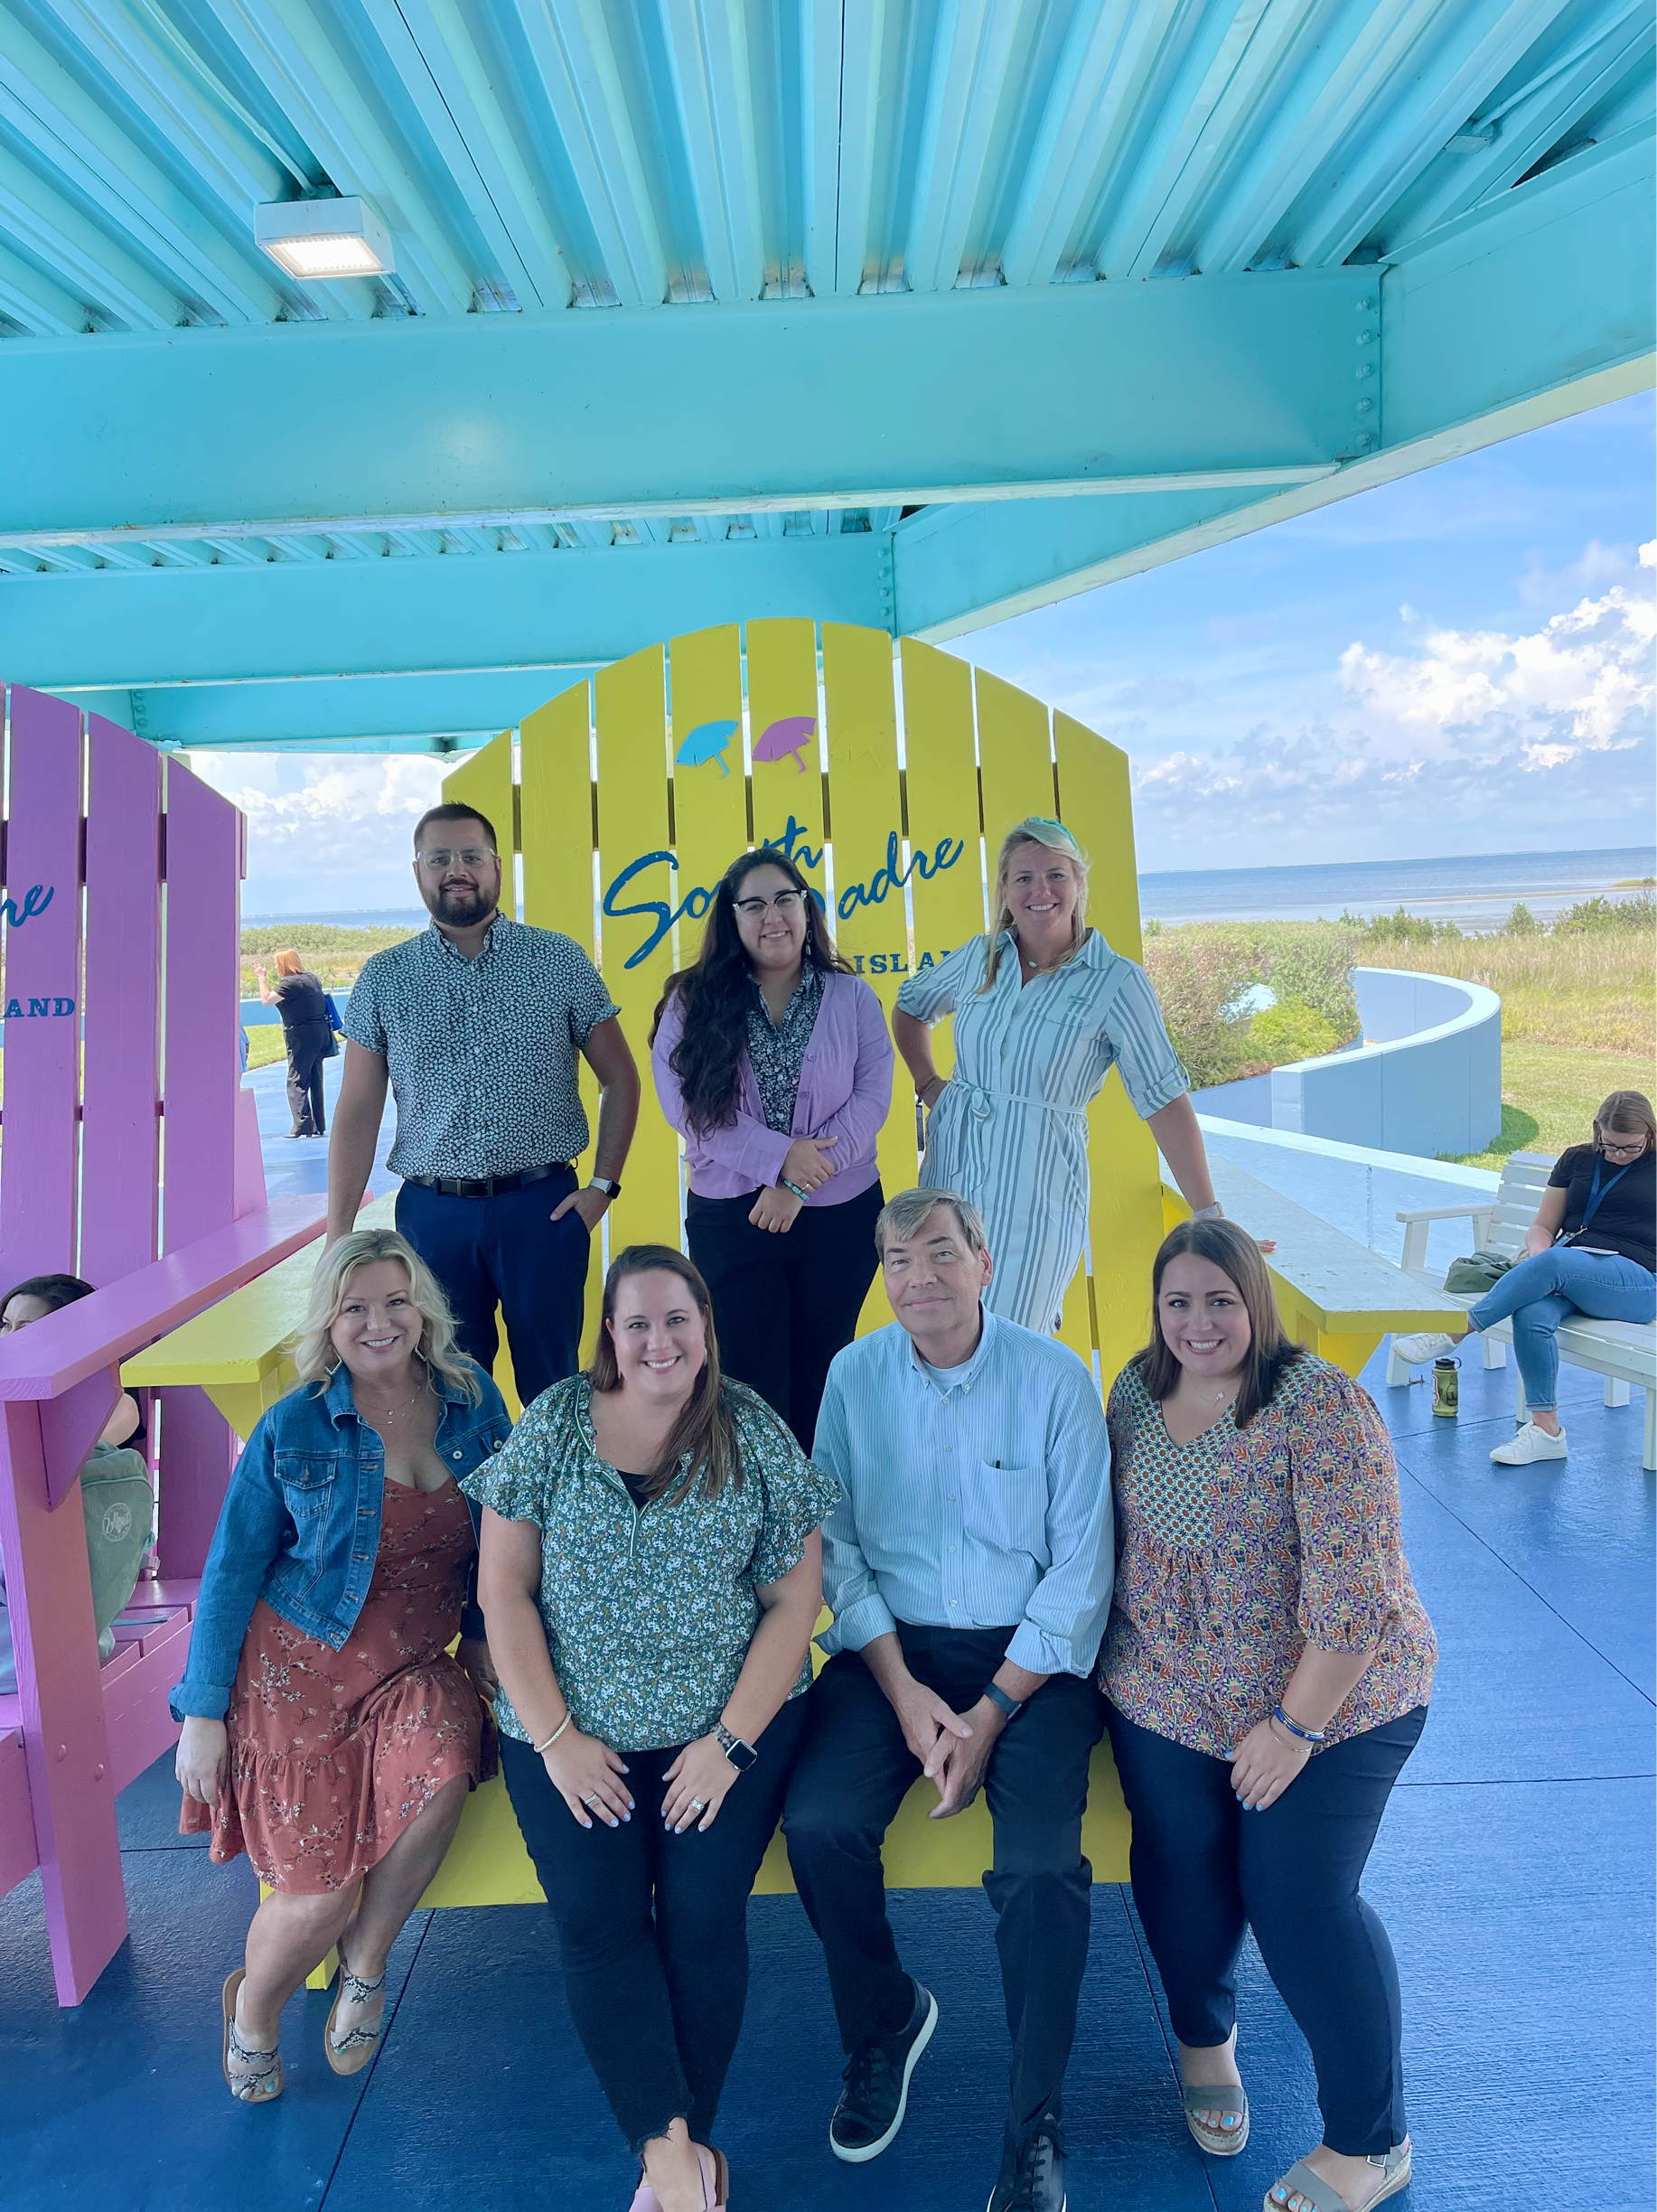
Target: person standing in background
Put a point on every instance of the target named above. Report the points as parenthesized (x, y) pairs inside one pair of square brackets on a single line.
[(772, 1058), (1044, 1009), (476, 1023), (303, 1004)]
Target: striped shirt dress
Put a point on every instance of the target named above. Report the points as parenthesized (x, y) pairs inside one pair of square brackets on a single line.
[(1010, 1127)]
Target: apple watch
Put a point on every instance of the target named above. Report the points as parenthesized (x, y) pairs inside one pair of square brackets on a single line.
[(741, 1754), (603, 1183)]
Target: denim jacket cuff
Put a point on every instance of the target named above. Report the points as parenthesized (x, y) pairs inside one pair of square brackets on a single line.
[(194, 1701)]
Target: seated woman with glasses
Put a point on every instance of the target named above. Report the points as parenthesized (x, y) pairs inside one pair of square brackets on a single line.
[(1591, 1250), (772, 1058)]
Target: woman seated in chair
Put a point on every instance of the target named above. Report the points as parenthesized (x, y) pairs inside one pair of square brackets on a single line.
[(650, 1572), (327, 1733), (1591, 1250)]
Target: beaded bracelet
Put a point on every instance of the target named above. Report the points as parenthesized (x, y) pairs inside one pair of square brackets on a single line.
[(546, 1742), (801, 1195), (1306, 1736)]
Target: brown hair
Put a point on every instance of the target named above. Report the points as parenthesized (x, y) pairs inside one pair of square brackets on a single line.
[(1271, 1352), (705, 1435), (1036, 830), (1626, 1111), (452, 811), (287, 960)]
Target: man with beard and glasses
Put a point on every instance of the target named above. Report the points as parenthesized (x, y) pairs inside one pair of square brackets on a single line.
[(476, 1023)]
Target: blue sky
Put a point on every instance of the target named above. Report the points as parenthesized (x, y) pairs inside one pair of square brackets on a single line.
[(1459, 662)]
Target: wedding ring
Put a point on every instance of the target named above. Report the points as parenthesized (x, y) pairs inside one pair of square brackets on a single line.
[(590, 1800), (698, 1804)]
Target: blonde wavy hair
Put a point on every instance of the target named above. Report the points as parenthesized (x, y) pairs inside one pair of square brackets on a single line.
[(314, 1355), (1036, 830)]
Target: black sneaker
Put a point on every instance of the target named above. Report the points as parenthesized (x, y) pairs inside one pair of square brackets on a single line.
[(1033, 2173), (876, 2093)]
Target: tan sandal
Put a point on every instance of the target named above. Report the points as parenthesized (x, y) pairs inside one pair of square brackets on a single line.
[(261, 2084), (1230, 2100), (354, 2050), (1324, 2197)]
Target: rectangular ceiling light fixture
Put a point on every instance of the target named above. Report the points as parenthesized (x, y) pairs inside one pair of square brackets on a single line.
[(312, 238)]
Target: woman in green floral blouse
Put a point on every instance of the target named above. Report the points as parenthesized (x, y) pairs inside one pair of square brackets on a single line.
[(650, 1572)]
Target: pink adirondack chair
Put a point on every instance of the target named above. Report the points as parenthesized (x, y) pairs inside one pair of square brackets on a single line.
[(130, 1154)]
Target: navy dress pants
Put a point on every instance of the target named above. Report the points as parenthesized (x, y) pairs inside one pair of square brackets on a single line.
[(653, 1926), (853, 1774), (506, 1252), (1203, 1867)]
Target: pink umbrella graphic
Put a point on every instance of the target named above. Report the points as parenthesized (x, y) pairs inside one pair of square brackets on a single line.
[(787, 738)]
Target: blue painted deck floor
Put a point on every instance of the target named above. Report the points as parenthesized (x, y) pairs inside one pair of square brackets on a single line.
[(1514, 1870)]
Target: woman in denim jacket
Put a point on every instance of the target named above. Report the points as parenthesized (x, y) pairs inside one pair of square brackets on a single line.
[(326, 1732)]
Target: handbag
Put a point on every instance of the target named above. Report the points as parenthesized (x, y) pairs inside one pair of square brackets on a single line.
[(331, 1051), (1478, 1272)]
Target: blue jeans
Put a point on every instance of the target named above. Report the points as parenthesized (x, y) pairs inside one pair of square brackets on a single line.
[(1548, 1288)]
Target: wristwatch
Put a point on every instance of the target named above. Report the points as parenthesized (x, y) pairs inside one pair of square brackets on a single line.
[(603, 1183), (741, 1754), (998, 1698)]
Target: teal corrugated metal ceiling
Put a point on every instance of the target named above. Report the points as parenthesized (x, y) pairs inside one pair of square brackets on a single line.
[(655, 154)]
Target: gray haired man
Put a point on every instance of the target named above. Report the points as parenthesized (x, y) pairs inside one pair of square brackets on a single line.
[(969, 1565)]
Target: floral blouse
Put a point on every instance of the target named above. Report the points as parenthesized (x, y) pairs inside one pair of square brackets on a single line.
[(777, 1050), (1238, 1550), (650, 1611)]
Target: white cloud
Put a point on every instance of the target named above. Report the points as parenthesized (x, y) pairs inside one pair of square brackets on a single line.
[(1472, 730), (327, 835)]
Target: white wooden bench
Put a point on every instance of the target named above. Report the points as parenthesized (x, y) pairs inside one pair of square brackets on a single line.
[(1623, 1352)]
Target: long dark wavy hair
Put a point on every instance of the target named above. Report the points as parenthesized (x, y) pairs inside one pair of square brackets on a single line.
[(1271, 1351), (715, 998), (705, 1434)]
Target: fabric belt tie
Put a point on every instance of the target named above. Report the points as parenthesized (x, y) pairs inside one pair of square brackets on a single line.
[(982, 1103), (487, 1187)]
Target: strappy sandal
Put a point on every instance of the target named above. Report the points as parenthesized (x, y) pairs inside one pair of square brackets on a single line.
[(716, 2179), (354, 2050), (1223, 2097), (1324, 2197), (260, 2083)]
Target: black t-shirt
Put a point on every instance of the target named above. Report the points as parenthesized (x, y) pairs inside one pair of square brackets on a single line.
[(636, 1488), (1625, 1220), (300, 999)]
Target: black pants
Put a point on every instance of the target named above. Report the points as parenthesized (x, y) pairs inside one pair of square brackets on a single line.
[(653, 1926), (853, 1773), (1202, 1867), (507, 1252), (785, 1304), (307, 1046)]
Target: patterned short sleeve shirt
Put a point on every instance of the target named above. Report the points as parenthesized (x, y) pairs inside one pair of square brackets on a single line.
[(481, 1054), (649, 1610)]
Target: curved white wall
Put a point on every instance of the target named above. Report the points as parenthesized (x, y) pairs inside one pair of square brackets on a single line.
[(1426, 1080)]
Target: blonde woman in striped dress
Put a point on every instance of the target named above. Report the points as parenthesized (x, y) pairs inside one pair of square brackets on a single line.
[(1044, 1009)]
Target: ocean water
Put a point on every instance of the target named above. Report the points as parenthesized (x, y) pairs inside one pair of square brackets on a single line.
[(1475, 891)]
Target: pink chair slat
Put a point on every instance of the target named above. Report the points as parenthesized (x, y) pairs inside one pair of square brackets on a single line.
[(48, 1591), (199, 1449), (200, 1010), (121, 1068), (135, 1717), (38, 1172), (18, 1855)]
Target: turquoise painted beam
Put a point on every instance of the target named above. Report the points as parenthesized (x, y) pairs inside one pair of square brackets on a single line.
[(1501, 321), (841, 400), (487, 613), (397, 712)]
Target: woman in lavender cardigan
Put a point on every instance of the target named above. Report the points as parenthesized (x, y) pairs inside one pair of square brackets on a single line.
[(772, 1059)]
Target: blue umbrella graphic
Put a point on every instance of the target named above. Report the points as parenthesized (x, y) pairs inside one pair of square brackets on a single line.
[(707, 742)]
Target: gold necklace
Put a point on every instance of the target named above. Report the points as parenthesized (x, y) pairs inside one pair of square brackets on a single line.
[(395, 1413)]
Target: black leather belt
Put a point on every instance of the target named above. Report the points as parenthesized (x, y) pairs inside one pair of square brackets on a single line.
[(487, 1187)]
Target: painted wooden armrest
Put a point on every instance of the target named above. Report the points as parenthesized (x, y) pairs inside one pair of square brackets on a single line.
[(1454, 1212), (68, 1360)]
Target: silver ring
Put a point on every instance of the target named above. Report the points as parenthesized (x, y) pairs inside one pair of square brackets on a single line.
[(698, 1804), (590, 1800)]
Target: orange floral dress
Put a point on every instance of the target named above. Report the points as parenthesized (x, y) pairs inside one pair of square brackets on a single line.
[(333, 1753)]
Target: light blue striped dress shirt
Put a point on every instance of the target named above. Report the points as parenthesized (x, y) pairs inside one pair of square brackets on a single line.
[(982, 1505)]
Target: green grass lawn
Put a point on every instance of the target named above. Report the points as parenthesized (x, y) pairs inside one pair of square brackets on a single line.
[(1548, 1094), (264, 1045)]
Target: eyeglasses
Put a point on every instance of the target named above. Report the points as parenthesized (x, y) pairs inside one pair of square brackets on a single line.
[(1614, 1148), (440, 858), (785, 903)]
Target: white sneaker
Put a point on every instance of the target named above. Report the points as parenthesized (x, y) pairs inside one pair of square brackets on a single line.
[(1431, 1345), (1531, 1443)]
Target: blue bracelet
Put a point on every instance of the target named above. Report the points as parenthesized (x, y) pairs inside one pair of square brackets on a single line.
[(1306, 1736), (801, 1195)]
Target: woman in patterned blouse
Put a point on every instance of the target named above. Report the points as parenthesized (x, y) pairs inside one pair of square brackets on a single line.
[(650, 1570), (772, 1059), (1266, 1666)]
